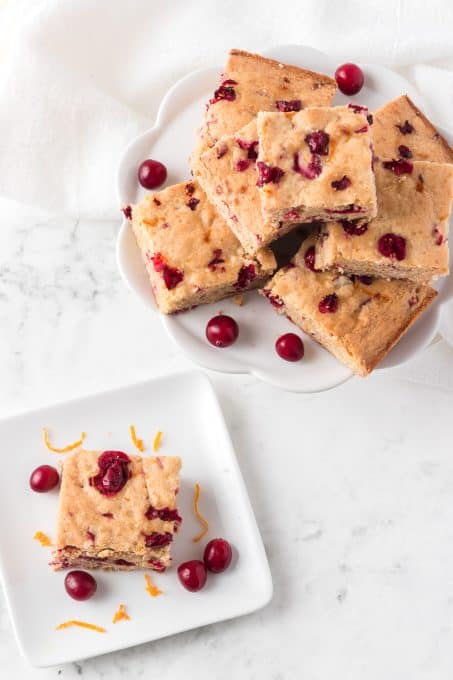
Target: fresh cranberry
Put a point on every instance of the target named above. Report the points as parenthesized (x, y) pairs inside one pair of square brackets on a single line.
[(242, 164), (222, 330), (113, 472), (192, 575), (44, 478), (288, 105), (353, 229), (246, 275), (80, 585), (329, 304), (268, 173), (217, 555), (393, 246), (127, 212), (349, 78), (151, 174), (309, 258), (192, 203), (399, 166), (318, 142), (250, 147), (310, 171), (224, 91), (406, 128), (290, 347), (155, 539), (404, 151), (341, 184)]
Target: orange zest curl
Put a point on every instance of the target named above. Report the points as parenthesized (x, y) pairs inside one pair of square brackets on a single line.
[(151, 588), (138, 443), (120, 614), (199, 516), (42, 538), (81, 624), (157, 441), (65, 449)]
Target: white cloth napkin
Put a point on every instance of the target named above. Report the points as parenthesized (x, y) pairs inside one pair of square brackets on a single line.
[(79, 79)]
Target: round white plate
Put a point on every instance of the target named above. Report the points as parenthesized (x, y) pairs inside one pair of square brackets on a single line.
[(171, 140)]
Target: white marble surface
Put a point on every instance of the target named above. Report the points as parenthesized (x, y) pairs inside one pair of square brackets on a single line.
[(353, 489)]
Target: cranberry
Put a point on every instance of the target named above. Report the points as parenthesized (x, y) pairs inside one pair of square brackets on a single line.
[(329, 304), (290, 347), (221, 150), (406, 128), (222, 330), (399, 166), (309, 258), (268, 173), (250, 147), (246, 275), (44, 478), (216, 260), (170, 275), (438, 237), (404, 151), (165, 514), (242, 164), (393, 246), (341, 184), (318, 142), (288, 105), (155, 539), (189, 189), (151, 174), (113, 472), (192, 575), (275, 300), (217, 555), (364, 128), (127, 212), (80, 585), (353, 229), (224, 91), (366, 280), (357, 108), (192, 203), (310, 171), (349, 78)]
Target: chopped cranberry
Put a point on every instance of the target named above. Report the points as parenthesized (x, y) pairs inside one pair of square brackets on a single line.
[(124, 563), (309, 258), (393, 246), (290, 347), (370, 119), (312, 170), (250, 147), (242, 164), (217, 259), (44, 478), (413, 300), (189, 189), (351, 208), (341, 184), (406, 128), (366, 280), (127, 212), (288, 105), (171, 275), (318, 142), (217, 555), (113, 472), (357, 108), (157, 565), (246, 275), (221, 150), (80, 585), (165, 514), (155, 539), (291, 215), (329, 304), (224, 91), (151, 174), (362, 129), (419, 187), (438, 236), (275, 300), (192, 203), (349, 78), (107, 514), (268, 173), (156, 201), (404, 151), (399, 166), (222, 330), (192, 575), (90, 536), (353, 229)]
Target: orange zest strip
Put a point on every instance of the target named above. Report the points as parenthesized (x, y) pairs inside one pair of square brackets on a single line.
[(42, 538), (120, 614), (199, 516), (138, 443), (151, 588), (157, 441), (65, 449), (81, 624)]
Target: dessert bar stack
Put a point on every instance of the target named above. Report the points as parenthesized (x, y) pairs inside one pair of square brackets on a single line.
[(374, 191)]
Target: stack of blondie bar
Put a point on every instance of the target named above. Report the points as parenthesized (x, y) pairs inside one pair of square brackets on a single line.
[(374, 192)]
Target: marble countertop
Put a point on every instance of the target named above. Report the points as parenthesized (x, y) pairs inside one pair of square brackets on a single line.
[(352, 489)]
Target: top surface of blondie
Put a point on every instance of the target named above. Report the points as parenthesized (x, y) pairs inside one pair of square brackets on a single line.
[(401, 130)]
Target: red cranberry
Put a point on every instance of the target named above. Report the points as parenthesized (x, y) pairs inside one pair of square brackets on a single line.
[(165, 514), (155, 539), (170, 275), (290, 347), (318, 142), (399, 166), (309, 258), (242, 164), (151, 174), (349, 78), (224, 91), (192, 203), (127, 212), (310, 171), (329, 304), (275, 300), (268, 173), (341, 184), (113, 472), (222, 330), (404, 151), (44, 478), (353, 229), (393, 246), (192, 575), (246, 274), (288, 105), (80, 585), (250, 147), (216, 260), (406, 128), (217, 555)]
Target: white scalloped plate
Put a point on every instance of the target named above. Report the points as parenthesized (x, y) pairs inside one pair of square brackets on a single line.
[(171, 140)]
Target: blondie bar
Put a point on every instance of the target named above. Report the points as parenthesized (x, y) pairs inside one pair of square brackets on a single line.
[(117, 512), (191, 255)]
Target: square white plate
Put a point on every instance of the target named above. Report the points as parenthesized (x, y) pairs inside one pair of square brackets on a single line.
[(184, 407)]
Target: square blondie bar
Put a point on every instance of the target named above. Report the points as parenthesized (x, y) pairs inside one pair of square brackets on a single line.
[(190, 254), (117, 512)]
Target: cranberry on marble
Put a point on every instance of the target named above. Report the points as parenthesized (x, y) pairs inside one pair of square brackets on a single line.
[(290, 347), (222, 330), (192, 575), (80, 585), (151, 174), (217, 555), (349, 78), (44, 478)]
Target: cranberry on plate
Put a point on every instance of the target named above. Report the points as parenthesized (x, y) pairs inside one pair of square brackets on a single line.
[(44, 478), (151, 174), (222, 330), (290, 347), (80, 585), (217, 555), (349, 78), (192, 575)]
